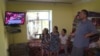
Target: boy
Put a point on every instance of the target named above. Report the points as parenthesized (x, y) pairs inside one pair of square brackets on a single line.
[(63, 41)]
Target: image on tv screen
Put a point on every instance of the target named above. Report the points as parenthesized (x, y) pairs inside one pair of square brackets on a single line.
[(14, 18)]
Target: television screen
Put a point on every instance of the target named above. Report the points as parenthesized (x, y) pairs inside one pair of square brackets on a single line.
[(14, 18)]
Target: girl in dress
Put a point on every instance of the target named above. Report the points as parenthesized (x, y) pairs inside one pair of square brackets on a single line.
[(54, 42), (45, 42)]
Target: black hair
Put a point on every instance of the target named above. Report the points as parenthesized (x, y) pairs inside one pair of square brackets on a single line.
[(46, 30), (85, 12), (47, 33), (78, 13), (56, 28), (65, 31)]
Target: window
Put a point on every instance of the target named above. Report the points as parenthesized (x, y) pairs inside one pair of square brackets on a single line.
[(37, 20)]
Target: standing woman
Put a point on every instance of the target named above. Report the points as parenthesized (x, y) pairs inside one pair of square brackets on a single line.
[(45, 42), (54, 42)]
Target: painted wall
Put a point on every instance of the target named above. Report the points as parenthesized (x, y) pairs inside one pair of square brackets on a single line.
[(3, 34), (91, 6), (62, 16)]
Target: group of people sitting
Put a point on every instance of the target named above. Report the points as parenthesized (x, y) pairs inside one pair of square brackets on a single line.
[(54, 42)]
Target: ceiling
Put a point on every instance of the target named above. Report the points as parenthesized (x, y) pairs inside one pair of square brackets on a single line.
[(57, 1)]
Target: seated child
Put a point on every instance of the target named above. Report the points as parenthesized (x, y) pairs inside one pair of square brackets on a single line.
[(63, 41)]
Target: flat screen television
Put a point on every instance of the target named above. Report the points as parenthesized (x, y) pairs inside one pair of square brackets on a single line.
[(14, 18)]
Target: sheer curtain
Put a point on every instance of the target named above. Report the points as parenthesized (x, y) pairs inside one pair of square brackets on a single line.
[(37, 21)]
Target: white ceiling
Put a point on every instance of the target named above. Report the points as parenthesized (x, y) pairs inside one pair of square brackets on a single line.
[(57, 1)]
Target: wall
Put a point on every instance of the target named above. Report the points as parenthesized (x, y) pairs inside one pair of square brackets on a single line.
[(3, 34), (62, 16), (94, 5)]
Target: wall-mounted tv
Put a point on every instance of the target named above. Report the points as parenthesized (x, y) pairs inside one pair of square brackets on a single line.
[(14, 18)]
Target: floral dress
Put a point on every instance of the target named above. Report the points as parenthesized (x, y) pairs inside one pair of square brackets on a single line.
[(45, 42), (54, 42)]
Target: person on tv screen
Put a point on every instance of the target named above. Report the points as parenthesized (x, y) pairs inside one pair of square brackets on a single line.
[(14, 17)]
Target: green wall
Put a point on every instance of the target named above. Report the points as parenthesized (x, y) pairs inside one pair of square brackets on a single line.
[(3, 34)]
